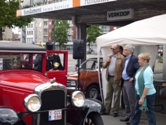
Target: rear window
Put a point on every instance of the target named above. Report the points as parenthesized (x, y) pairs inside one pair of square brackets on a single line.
[(16, 61)]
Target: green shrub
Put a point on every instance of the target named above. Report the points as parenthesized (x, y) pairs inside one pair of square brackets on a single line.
[(160, 59)]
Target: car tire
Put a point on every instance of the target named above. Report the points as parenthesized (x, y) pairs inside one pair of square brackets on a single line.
[(94, 119), (92, 92)]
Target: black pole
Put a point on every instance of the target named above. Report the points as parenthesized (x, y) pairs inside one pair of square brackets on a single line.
[(78, 65)]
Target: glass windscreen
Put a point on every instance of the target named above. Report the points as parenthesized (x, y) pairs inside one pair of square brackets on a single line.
[(91, 64)]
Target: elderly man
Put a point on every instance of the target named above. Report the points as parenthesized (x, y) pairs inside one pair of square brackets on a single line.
[(114, 65), (131, 65)]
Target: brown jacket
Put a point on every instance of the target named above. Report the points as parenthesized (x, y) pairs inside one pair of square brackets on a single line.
[(118, 67)]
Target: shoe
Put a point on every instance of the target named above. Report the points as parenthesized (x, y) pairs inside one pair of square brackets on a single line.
[(115, 115), (104, 113), (125, 119), (128, 122)]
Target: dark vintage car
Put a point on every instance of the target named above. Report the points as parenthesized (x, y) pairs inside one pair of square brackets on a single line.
[(89, 81), (30, 97)]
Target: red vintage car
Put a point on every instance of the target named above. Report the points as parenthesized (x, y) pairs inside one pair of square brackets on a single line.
[(30, 97)]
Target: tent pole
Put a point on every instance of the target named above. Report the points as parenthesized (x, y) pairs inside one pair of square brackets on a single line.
[(164, 62)]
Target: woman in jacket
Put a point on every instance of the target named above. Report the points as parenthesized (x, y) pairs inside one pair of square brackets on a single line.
[(145, 90)]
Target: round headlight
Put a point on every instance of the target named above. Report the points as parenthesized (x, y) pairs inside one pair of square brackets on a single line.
[(32, 103), (78, 98)]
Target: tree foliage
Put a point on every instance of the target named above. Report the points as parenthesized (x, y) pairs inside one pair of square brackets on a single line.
[(60, 32), (92, 33), (8, 17)]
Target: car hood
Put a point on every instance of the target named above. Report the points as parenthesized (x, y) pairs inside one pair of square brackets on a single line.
[(72, 75), (22, 78)]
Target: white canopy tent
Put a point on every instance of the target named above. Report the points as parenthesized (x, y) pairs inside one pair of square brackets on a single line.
[(144, 34)]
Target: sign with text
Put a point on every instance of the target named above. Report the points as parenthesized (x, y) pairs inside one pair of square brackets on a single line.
[(91, 2), (120, 14), (46, 8), (67, 4)]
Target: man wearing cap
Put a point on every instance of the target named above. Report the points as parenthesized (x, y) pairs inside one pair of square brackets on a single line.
[(53, 61)]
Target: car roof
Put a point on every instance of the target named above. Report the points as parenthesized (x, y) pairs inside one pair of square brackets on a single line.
[(7, 46)]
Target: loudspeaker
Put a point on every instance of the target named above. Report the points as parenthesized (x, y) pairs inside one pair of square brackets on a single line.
[(78, 49)]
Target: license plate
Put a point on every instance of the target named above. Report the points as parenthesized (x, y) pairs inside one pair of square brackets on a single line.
[(55, 115)]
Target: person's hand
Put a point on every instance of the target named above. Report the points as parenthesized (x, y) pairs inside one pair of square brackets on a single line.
[(108, 59), (51, 70), (131, 79), (120, 84), (140, 102)]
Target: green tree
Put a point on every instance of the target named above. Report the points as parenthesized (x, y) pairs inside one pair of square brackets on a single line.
[(60, 32), (8, 17), (92, 33)]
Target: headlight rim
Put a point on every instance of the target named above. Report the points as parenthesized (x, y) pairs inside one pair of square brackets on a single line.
[(72, 96), (27, 99)]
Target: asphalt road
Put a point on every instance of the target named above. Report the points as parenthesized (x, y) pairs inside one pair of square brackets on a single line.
[(110, 120)]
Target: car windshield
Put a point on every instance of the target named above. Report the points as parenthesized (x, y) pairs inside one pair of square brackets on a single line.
[(16, 61), (91, 64)]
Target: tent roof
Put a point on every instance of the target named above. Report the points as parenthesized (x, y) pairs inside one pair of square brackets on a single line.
[(151, 31)]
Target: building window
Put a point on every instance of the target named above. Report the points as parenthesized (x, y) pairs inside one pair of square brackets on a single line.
[(40, 24)]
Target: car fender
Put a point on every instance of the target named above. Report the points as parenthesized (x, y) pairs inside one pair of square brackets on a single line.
[(94, 105), (10, 117)]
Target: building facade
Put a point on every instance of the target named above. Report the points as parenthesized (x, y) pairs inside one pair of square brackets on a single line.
[(7, 34)]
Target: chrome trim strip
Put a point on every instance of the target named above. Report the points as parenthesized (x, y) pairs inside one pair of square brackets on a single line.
[(49, 86), (71, 88)]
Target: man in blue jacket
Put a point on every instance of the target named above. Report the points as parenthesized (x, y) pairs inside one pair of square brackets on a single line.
[(131, 65)]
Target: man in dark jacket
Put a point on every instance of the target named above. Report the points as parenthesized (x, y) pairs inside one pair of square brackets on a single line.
[(53, 61), (131, 65), (38, 62)]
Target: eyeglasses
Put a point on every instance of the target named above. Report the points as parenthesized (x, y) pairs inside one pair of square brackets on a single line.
[(113, 49)]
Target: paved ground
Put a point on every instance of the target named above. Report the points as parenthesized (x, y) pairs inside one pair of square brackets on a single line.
[(110, 120)]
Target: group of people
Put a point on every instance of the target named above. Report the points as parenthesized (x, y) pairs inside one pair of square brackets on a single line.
[(134, 76)]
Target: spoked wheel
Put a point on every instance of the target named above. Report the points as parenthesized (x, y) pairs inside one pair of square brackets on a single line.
[(94, 119)]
